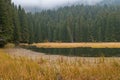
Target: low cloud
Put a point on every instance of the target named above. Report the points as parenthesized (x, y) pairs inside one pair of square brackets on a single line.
[(48, 4)]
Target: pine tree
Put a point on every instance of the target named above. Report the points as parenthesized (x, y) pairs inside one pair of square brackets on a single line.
[(24, 25)]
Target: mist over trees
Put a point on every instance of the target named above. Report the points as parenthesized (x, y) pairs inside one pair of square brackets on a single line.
[(80, 23)]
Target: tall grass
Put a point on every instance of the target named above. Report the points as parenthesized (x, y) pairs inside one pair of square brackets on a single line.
[(21, 68), (9, 45), (76, 45)]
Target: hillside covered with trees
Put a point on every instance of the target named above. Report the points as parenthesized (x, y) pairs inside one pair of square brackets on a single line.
[(77, 23)]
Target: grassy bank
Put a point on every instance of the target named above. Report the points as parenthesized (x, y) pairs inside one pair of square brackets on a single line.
[(21, 68), (76, 45)]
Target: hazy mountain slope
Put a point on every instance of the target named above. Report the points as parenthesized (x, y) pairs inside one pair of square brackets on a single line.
[(111, 2), (107, 2)]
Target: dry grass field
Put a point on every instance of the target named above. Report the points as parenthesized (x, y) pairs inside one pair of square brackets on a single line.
[(60, 68), (77, 45)]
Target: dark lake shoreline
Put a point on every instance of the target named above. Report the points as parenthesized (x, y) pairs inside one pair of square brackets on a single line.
[(81, 52)]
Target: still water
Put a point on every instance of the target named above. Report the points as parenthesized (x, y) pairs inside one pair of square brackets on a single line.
[(81, 52)]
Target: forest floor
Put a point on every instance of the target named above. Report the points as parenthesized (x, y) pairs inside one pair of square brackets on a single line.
[(77, 45)]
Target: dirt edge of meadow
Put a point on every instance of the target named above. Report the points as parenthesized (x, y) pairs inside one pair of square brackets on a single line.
[(20, 52)]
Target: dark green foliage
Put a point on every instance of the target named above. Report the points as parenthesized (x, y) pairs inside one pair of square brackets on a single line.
[(13, 23), (16, 24), (78, 24), (6, 25), (68, 24), (30, 28), (24, 26)]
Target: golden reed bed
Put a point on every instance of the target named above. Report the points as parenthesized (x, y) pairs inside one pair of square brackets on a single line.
[(76, 45), (22, 68)]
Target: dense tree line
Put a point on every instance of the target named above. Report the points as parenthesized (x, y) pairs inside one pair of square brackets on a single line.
[(99, 23), (13, 22), (6, 26), (77, 24)]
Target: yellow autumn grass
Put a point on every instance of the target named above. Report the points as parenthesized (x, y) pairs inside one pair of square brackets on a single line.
[(76, 45), (21, 68), (9, 45)]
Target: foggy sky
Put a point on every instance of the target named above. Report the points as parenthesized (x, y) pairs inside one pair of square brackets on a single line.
[(48, 4)]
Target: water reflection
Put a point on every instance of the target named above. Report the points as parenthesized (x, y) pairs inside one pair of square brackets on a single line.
[(83, 52)]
